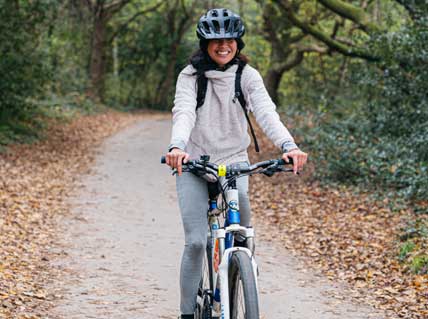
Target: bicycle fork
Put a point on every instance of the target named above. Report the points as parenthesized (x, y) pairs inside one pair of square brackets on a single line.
[(222, 277), (222, 240)]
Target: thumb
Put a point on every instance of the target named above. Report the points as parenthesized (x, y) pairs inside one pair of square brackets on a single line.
[(186, 158)]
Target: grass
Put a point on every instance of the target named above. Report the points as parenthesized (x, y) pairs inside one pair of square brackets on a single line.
[(413, 250)]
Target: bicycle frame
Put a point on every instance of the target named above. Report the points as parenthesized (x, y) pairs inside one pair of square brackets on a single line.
[(220, 279)]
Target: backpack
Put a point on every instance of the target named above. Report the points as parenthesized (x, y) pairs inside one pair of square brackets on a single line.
[(202, 83)]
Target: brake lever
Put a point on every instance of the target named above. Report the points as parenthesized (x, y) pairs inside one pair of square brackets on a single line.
[(283, 169), (270, 170)]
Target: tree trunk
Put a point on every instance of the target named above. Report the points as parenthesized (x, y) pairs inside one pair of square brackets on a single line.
[(165, 86), (98, 59), (272, 81)]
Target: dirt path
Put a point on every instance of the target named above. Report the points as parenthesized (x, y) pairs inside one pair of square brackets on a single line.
[(122, 244)]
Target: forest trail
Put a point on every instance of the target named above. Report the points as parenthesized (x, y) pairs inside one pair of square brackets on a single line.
[(123, 242)]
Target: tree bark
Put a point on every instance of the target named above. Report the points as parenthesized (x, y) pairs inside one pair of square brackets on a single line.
[(276, 71), (176, 30), (279, 34), (352, 13), (165, 86), (98, 60), (272, 81), (324, 37), (101, 12)]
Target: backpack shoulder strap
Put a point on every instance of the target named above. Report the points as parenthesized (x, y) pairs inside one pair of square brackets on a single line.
[(240, 96), (201, 83)]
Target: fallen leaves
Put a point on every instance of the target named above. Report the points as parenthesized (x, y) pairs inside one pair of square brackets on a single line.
[(346, 236), (34, 182)]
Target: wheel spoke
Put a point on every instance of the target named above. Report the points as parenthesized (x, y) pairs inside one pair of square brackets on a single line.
[(240, 302)]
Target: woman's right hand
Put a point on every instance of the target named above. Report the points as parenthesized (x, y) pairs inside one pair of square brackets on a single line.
[(175, 158)]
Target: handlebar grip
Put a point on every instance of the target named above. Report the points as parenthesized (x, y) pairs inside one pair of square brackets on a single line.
[(282, 161), (163, 160)]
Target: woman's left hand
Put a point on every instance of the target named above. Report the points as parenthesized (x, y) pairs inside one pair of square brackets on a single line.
[(299, 159)]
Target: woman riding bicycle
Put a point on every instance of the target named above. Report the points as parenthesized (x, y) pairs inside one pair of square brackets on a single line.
[(212, 121)]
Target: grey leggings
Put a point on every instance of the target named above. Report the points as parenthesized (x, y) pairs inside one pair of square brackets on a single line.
[(193, 201)]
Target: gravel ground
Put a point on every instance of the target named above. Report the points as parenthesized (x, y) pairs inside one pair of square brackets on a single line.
[(122, 243)]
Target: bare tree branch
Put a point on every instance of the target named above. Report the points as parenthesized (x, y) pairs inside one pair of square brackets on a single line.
[(291, 63), (352, 13), (113, 8), (323, 37), (297, 37), (135, 16), (310, 48)]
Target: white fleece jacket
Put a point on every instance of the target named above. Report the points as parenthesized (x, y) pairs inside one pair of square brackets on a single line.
[(219, 127)]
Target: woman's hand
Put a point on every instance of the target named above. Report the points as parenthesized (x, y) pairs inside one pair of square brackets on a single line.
[(175, 158), (299, 159)]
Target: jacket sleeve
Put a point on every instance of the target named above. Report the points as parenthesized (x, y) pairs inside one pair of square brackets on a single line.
[(184, 110), (264, 110)]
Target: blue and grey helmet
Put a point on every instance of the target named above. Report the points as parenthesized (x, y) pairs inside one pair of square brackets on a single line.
[(220, 24)]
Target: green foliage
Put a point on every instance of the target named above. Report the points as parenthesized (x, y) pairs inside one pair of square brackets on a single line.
[(22, 65), (383, 143), (405, 250), (414, 240), (420, 265), (67, 43), (143, 56)]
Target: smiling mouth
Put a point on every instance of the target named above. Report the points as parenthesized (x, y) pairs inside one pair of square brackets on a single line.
[(223, 53)]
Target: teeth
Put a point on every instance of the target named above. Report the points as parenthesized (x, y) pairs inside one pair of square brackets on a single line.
[(223, 52)]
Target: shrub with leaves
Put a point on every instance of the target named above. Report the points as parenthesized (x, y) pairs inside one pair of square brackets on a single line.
[(21, 64), (383, 143)]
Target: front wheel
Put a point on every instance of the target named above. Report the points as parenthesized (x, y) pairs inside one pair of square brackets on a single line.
[(242, 288)]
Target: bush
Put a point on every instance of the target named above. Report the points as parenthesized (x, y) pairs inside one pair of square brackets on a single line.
[(21, 65), (383, 143)]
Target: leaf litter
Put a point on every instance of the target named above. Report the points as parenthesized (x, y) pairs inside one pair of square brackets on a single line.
[(34, 183), (347, 237)]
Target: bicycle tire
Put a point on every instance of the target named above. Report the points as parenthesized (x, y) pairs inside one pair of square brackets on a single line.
[(242, 288)]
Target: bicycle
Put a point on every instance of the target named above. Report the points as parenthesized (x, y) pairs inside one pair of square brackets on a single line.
[(228, 288)]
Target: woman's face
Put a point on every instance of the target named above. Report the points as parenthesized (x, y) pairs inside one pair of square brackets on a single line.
[(222, 51)]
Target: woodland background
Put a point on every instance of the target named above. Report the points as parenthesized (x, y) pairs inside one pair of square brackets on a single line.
[(349, 78)]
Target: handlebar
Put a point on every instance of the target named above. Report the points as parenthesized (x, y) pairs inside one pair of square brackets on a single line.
[(268, 167)]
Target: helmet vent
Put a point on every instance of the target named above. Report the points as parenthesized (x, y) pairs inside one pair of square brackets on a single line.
[(206, 27), (216, 26), (215, 13), (226, 25), (225, 13), (235, 25)]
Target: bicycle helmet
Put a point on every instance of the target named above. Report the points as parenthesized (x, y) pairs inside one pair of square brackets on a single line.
[(220, 24)]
